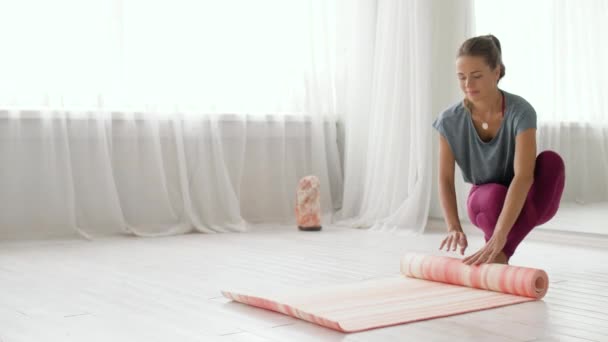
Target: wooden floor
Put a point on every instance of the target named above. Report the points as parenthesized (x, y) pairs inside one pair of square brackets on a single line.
[(580, 218), (168, 289)]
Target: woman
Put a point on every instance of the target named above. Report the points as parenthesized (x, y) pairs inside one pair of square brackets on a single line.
[(491, 135)]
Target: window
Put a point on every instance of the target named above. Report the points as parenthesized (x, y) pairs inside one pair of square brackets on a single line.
[(554, 53), (229, 56)]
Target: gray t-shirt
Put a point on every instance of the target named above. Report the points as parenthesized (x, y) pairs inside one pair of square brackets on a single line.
[(486, 162)]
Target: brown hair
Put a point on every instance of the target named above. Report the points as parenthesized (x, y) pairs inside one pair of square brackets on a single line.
[(487, 47)]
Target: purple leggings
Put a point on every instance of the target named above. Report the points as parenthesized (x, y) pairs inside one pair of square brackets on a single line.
[(486, 201)]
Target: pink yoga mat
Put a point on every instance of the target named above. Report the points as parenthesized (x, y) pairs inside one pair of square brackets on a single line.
[(429, 287)]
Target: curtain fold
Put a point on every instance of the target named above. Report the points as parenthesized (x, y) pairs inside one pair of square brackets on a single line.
[(396, 81)]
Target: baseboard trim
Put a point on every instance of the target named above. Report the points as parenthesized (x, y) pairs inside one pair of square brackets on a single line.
[(555, 236)]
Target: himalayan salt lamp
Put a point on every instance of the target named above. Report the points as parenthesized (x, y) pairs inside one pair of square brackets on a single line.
[(308, 204)]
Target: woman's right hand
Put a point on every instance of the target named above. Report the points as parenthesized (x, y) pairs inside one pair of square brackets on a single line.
[(456, 238)]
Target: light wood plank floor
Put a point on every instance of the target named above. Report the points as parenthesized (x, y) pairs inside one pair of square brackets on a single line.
[(582, 218), (167, 289)]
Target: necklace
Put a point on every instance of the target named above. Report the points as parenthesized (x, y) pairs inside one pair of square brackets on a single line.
[(484, 124)]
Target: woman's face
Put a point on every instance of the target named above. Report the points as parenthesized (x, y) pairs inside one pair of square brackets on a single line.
[(477, 80)]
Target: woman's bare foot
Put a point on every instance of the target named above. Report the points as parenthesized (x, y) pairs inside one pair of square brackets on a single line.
[(501, 258)]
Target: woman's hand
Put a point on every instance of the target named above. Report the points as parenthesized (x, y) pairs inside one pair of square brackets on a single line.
[(455, 238), (488, 253)]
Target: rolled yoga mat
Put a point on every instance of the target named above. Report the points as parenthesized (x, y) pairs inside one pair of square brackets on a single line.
[(429, 287)]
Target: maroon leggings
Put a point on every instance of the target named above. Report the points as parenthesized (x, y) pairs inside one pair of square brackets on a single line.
[(486, 201)]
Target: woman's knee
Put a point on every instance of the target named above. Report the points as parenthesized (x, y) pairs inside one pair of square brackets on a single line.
[(549, 162), (485, 203), (549, 181)]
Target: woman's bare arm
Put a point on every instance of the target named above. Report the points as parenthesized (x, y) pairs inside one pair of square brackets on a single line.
[(447, 191), (525, 160), (447, 196)]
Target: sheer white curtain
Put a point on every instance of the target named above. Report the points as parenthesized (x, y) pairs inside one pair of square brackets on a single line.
[(555, 57), (395, 85), (163, 117)]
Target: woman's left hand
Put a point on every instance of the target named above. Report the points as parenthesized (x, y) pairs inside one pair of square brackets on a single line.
[(488, 253)]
